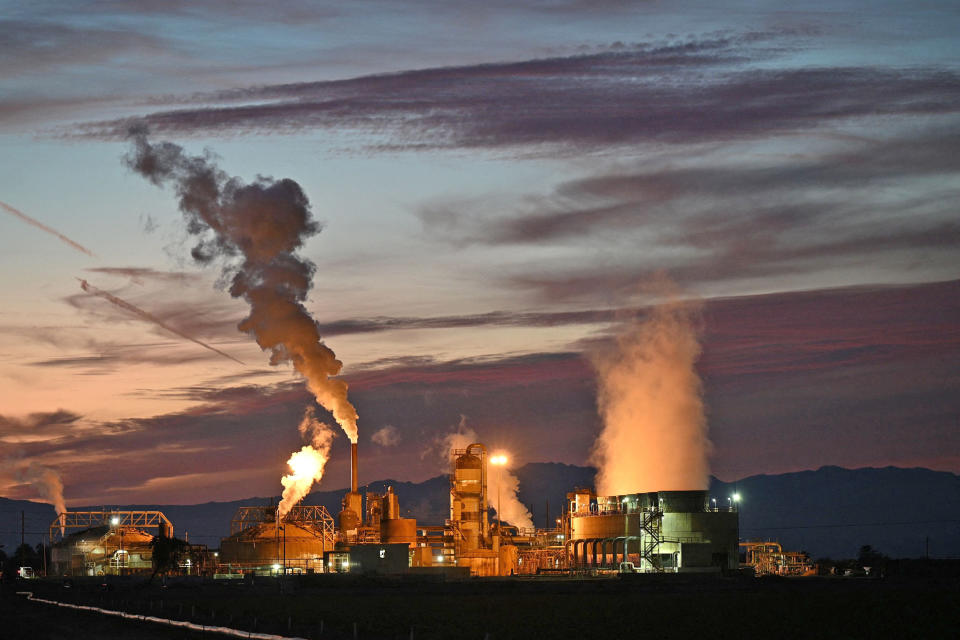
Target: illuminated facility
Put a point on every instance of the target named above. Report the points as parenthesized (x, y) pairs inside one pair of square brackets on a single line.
[(644, 532)]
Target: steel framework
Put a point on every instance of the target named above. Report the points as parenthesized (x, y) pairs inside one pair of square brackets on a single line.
[(652, 525), (314, 515), (124, 520)]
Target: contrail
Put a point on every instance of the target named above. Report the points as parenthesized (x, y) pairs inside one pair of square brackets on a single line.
[(40, 225), (137, 311)]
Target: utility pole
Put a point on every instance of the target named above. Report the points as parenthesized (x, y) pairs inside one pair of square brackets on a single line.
[(21, 527), (547, 521)]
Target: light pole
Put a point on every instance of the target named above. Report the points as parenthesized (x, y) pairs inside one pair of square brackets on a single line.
[(736, 501), (499, 462)]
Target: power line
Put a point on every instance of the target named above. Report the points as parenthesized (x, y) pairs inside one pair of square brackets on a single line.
[(851, 524)]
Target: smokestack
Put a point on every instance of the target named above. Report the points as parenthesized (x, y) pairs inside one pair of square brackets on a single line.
[(353, 467)]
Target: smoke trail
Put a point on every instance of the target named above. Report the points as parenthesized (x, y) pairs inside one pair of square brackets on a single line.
[(439, 450), (307, 464), (43, 227), (504, 487), (140, 313), (654, 435), (47, 482), (255, 229)]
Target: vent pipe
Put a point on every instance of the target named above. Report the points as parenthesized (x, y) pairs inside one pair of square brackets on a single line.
[(353, 467)]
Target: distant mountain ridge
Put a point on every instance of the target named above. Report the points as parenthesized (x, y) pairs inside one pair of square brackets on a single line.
[(828, 512)]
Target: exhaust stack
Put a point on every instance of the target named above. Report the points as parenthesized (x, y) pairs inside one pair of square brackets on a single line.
[(353, 467)]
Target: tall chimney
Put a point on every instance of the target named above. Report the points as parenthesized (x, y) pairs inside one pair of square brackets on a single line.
[(353, 467)]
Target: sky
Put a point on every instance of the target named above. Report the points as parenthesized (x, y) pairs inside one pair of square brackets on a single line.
[(497, 184)]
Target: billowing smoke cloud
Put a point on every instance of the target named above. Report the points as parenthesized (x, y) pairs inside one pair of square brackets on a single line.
[(654, 435), (46, 481), (387, 436), (39, 225), (254, 230), (307, 464), (512, 511), (503, 490), (149, 317)]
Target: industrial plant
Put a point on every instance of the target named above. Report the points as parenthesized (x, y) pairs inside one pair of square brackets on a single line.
[(644, 532)]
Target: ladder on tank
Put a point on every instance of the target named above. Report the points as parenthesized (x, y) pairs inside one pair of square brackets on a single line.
[(651, 523)]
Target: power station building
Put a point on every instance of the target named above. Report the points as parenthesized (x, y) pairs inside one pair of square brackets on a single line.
[(659, 531)]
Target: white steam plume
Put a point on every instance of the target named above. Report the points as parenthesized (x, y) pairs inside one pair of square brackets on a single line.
[(387, 436), (255, 230), (654, 435), (47, 482), (439, 451), (511, 510), (307, 464)]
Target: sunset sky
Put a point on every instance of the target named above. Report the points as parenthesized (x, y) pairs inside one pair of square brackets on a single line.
[(499, 184)]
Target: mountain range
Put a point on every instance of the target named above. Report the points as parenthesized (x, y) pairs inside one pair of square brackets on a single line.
[(830, 512)]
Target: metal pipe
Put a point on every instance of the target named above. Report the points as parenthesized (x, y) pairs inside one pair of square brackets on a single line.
[(353, 467)]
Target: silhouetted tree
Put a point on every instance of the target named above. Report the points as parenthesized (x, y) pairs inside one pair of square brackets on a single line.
[(166, 553), (27, 556)]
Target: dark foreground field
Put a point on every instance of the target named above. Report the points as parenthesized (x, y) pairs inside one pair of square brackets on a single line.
[(646, 606)]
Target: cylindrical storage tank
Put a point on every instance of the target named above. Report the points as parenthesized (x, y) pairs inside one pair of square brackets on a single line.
[(263, 544), (399, 531), (391, 505), (509, 555), (604, 526), (682, 501)]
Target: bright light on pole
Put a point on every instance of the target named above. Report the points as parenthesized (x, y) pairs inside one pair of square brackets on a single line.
[(499, 462), (114, 520)]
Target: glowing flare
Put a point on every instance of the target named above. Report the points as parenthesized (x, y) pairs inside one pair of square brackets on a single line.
[(307, 464)]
